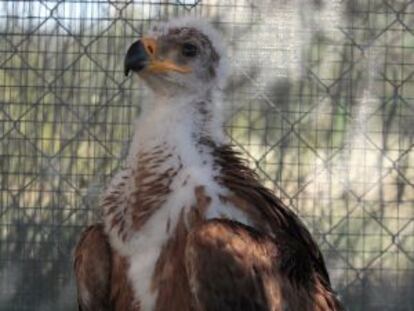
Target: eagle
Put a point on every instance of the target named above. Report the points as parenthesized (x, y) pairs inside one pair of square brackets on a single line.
[(187, 225)]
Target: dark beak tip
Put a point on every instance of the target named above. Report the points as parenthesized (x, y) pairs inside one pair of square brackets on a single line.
[(135, 58), (126, 71)]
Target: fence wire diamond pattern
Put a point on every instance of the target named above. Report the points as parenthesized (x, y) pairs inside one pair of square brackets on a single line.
[(321, 102)]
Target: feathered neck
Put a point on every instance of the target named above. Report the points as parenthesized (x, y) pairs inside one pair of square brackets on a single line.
[(181, 121)]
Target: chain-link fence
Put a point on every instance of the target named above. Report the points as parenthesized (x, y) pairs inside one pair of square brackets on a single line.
[(321, 102)]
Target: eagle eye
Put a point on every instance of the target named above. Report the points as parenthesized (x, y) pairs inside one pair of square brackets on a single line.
[(189, 50)]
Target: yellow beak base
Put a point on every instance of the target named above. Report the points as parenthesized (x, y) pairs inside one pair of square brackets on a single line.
[(156, 65)]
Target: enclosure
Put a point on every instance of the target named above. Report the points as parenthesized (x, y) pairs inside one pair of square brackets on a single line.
[(321, 102)]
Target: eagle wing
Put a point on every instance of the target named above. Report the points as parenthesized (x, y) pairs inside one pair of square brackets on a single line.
[(101, 274), (301, 264), (231, 266), (93, 266)]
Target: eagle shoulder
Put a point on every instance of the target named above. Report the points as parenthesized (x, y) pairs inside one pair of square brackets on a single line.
[(101, 274), (300, 259), (92, 263), (231, 266)]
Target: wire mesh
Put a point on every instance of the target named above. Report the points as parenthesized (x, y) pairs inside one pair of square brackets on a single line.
[(321, 102)]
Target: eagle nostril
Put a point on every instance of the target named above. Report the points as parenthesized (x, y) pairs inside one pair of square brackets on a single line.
[(150, 49), (150, 45)]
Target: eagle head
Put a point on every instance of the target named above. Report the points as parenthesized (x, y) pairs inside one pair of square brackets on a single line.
[(183, 54)]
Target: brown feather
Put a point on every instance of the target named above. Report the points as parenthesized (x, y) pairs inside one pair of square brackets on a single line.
[(101, 274), (150, 192), (170, 277), (229, 268), (300, 258), (216, 264), (92, 270)]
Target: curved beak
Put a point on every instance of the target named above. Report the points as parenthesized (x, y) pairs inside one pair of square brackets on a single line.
[(135, 58), (141, 56)]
